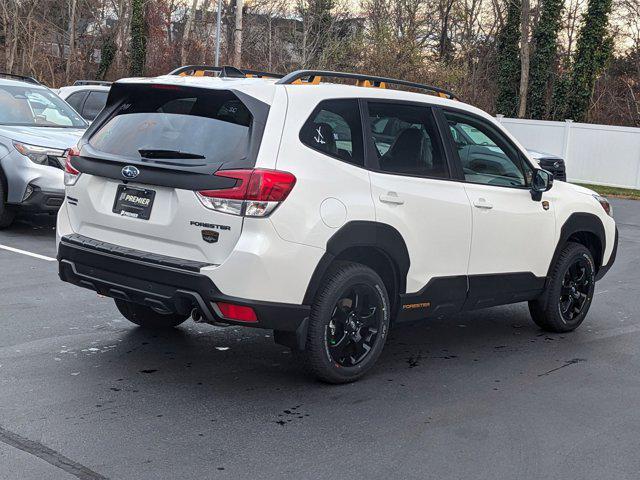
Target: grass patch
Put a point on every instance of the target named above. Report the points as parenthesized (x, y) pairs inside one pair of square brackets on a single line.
[(613, 191)]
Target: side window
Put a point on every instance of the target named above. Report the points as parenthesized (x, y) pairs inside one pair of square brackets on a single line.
[(94, 104), (76, 99), (409, 142), (487, 157), (334, 129)]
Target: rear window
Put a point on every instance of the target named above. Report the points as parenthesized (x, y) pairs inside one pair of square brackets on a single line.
[(334, 129), (180, 126)]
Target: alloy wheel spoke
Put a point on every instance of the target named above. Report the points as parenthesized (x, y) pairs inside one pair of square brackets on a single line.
[(340, 348), (361, 349), (574, 290), (354, 325)]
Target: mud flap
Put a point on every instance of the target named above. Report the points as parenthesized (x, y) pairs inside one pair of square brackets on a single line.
[(296, 340)]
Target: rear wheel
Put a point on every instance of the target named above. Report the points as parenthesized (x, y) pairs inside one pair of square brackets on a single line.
[(566, 301), (348, 324), (148, 317), (7, 214)]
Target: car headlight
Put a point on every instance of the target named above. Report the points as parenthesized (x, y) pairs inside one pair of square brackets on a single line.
[(605, 204), (36, 153)]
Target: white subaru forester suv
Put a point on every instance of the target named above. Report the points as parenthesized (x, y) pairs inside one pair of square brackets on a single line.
[(326, 212)]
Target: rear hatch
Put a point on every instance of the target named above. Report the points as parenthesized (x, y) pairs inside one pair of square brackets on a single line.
[(149, 152)]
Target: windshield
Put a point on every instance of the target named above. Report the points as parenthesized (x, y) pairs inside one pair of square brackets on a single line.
[(181, 126), (36, 107)]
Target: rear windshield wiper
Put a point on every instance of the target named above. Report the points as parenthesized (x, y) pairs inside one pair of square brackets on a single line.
[(169, 154)]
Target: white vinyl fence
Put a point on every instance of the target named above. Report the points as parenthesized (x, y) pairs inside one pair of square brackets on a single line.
[(597, 154)]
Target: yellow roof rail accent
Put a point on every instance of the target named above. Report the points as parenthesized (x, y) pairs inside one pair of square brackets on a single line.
[(224, 71), (197, 73), (370, 84), (312, 77), (315, 80)]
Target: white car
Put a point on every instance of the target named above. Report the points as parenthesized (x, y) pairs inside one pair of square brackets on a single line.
[(87, 97), (287, 204)]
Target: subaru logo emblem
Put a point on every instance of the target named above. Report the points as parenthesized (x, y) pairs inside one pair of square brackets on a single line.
[(130, 172)]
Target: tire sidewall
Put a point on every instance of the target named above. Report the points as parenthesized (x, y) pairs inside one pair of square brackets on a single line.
[(321, 316)]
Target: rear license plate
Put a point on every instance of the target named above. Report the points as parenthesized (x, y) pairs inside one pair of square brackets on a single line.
[(134, 202)]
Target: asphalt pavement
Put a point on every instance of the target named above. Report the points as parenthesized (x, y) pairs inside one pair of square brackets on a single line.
[(484, 395)]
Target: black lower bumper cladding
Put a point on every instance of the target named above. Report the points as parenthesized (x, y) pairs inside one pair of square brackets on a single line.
[(42, 201), (161, 282), (605, 268)]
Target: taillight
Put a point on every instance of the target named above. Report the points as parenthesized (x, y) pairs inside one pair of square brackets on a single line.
[(256, 193), (71, 175), (239, 313)]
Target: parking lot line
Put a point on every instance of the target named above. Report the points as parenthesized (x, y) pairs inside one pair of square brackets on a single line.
[(24, 252)]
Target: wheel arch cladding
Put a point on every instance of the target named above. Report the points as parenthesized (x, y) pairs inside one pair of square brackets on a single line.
[(377, 245), (586, 229)]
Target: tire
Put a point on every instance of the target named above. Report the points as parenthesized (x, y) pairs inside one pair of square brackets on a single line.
[(7, 214), (565, 302), (348, 324), (147, 317)]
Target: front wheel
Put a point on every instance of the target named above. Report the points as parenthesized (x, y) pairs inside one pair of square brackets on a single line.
[(148, 317), (348, 325), (565, 302)]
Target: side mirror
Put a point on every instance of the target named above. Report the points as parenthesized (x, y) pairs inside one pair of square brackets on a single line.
[(541, 182)]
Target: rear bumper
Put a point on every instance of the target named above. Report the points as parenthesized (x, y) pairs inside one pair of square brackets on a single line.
[(42, 201), (161, 282)]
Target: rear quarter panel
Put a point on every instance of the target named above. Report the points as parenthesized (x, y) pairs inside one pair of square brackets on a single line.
[(341, 191)]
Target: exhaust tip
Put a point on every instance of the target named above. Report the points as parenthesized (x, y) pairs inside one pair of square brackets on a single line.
[(196, 314)]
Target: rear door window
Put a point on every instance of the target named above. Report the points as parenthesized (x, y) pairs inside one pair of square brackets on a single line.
[(406, 140), (76, 99), (335, 129), (94, 104), (179, 126)]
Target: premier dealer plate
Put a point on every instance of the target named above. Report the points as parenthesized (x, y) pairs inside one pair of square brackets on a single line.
[(134, 202)]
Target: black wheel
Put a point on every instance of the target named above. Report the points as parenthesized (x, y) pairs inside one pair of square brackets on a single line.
[(148, 317), (566, 301), (7, 214), (348, 324)]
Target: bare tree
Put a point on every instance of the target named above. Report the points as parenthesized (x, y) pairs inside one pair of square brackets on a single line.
[(237, 34), (184, 48), (525, 20), (72, 39)]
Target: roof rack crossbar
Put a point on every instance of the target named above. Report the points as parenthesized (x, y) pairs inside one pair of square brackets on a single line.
[(103, 83), (312, 75), (24, 78), (192, 69)]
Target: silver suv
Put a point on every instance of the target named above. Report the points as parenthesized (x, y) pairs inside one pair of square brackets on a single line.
[(36, 128)]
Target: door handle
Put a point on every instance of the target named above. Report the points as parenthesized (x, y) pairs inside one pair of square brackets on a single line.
[(391, 197), (483, 204)]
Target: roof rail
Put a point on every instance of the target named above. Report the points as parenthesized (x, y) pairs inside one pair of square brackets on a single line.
[(79, 83), (24, 78), (314, 77), (225, 71)]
